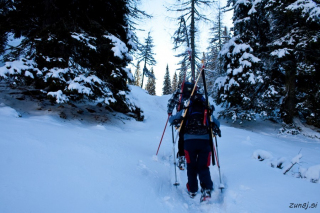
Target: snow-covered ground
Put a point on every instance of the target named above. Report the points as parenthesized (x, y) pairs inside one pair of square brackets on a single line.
[(48, 164)]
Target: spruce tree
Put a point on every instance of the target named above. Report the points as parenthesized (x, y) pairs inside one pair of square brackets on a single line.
[(151, 85), (146, 55), (137, 75), (182, 73), (71, 50), (295, 55), (219, 36), (174, 86), (276, 52), (238, 89), (185, 35), (166, 89)]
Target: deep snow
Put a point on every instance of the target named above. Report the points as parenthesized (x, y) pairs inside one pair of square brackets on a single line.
[(48, 164)]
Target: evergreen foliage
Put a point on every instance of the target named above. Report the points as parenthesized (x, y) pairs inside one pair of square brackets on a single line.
[(166, 89), (270, 59), (70, 50), (151, 85), (174, 86), (137, 75), (146, 55), (185, 35), (219, 35)]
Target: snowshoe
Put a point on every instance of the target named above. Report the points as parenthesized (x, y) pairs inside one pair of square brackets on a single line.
[(205, 195), (191, 194), (182, 163)]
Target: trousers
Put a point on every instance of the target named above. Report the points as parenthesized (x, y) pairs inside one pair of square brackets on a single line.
[(198, 157)]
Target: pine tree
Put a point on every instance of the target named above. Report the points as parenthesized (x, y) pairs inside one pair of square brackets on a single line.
[(219, 36), (274, 53), (151, 85), (295, 55), (135, 17), (182, 73), (146, 55), (238, 89), (71, 50), (166, 89), (174, 86), (137, 75)]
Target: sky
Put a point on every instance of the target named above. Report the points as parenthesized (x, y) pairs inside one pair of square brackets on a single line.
[(162, 29)]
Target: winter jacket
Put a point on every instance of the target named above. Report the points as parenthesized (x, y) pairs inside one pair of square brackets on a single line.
[(177, 118)]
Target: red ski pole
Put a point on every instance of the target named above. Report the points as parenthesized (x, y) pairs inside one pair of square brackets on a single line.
[(163, 134)]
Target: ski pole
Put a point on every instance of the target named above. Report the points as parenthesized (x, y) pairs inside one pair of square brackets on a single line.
[(218, 163), (176, 183), (163, 134)]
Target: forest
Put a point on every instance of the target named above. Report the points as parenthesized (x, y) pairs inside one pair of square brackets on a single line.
[(266, 65)]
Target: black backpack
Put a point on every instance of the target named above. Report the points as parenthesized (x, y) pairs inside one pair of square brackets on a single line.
[(197, 119)]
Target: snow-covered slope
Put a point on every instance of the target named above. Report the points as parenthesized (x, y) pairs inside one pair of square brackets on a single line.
[(51, 165)]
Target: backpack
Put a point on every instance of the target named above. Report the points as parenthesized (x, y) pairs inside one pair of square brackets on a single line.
[(197, 119)]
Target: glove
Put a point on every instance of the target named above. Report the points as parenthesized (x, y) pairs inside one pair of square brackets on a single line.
[(216, 127), (176, 122), (169, 114), (216, 130)]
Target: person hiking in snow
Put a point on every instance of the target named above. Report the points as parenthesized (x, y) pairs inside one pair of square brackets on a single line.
[(178, 99), (197, 144)]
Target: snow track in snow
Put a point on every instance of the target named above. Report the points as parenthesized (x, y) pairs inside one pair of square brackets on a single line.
[(50, 165)]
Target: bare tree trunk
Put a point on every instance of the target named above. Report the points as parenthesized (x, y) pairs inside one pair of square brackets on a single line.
[(192, 35), (145, 66), (290, 100)]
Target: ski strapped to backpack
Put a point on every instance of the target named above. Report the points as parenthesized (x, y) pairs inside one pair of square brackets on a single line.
[(193, 90), (214, 147)]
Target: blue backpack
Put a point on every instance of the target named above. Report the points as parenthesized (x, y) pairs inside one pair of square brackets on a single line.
[(197, 117)]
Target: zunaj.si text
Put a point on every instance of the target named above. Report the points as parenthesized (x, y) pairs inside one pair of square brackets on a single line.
[(303, 205)]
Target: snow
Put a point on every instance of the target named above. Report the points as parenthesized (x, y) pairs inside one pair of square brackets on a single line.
[(281, 52), (57, 73), (296, 159), (79, 88), (238, 48), (307, 7), (48, 164), (60, 97), (312, 173), (16, 66), (77, 83), (82, 37), (119, 48)]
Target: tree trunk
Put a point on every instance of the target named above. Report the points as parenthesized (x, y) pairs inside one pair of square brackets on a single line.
[(192, 35), (145, 64), (290, 99)]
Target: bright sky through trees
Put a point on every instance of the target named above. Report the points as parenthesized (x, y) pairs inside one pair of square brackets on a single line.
[(162, 29)]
